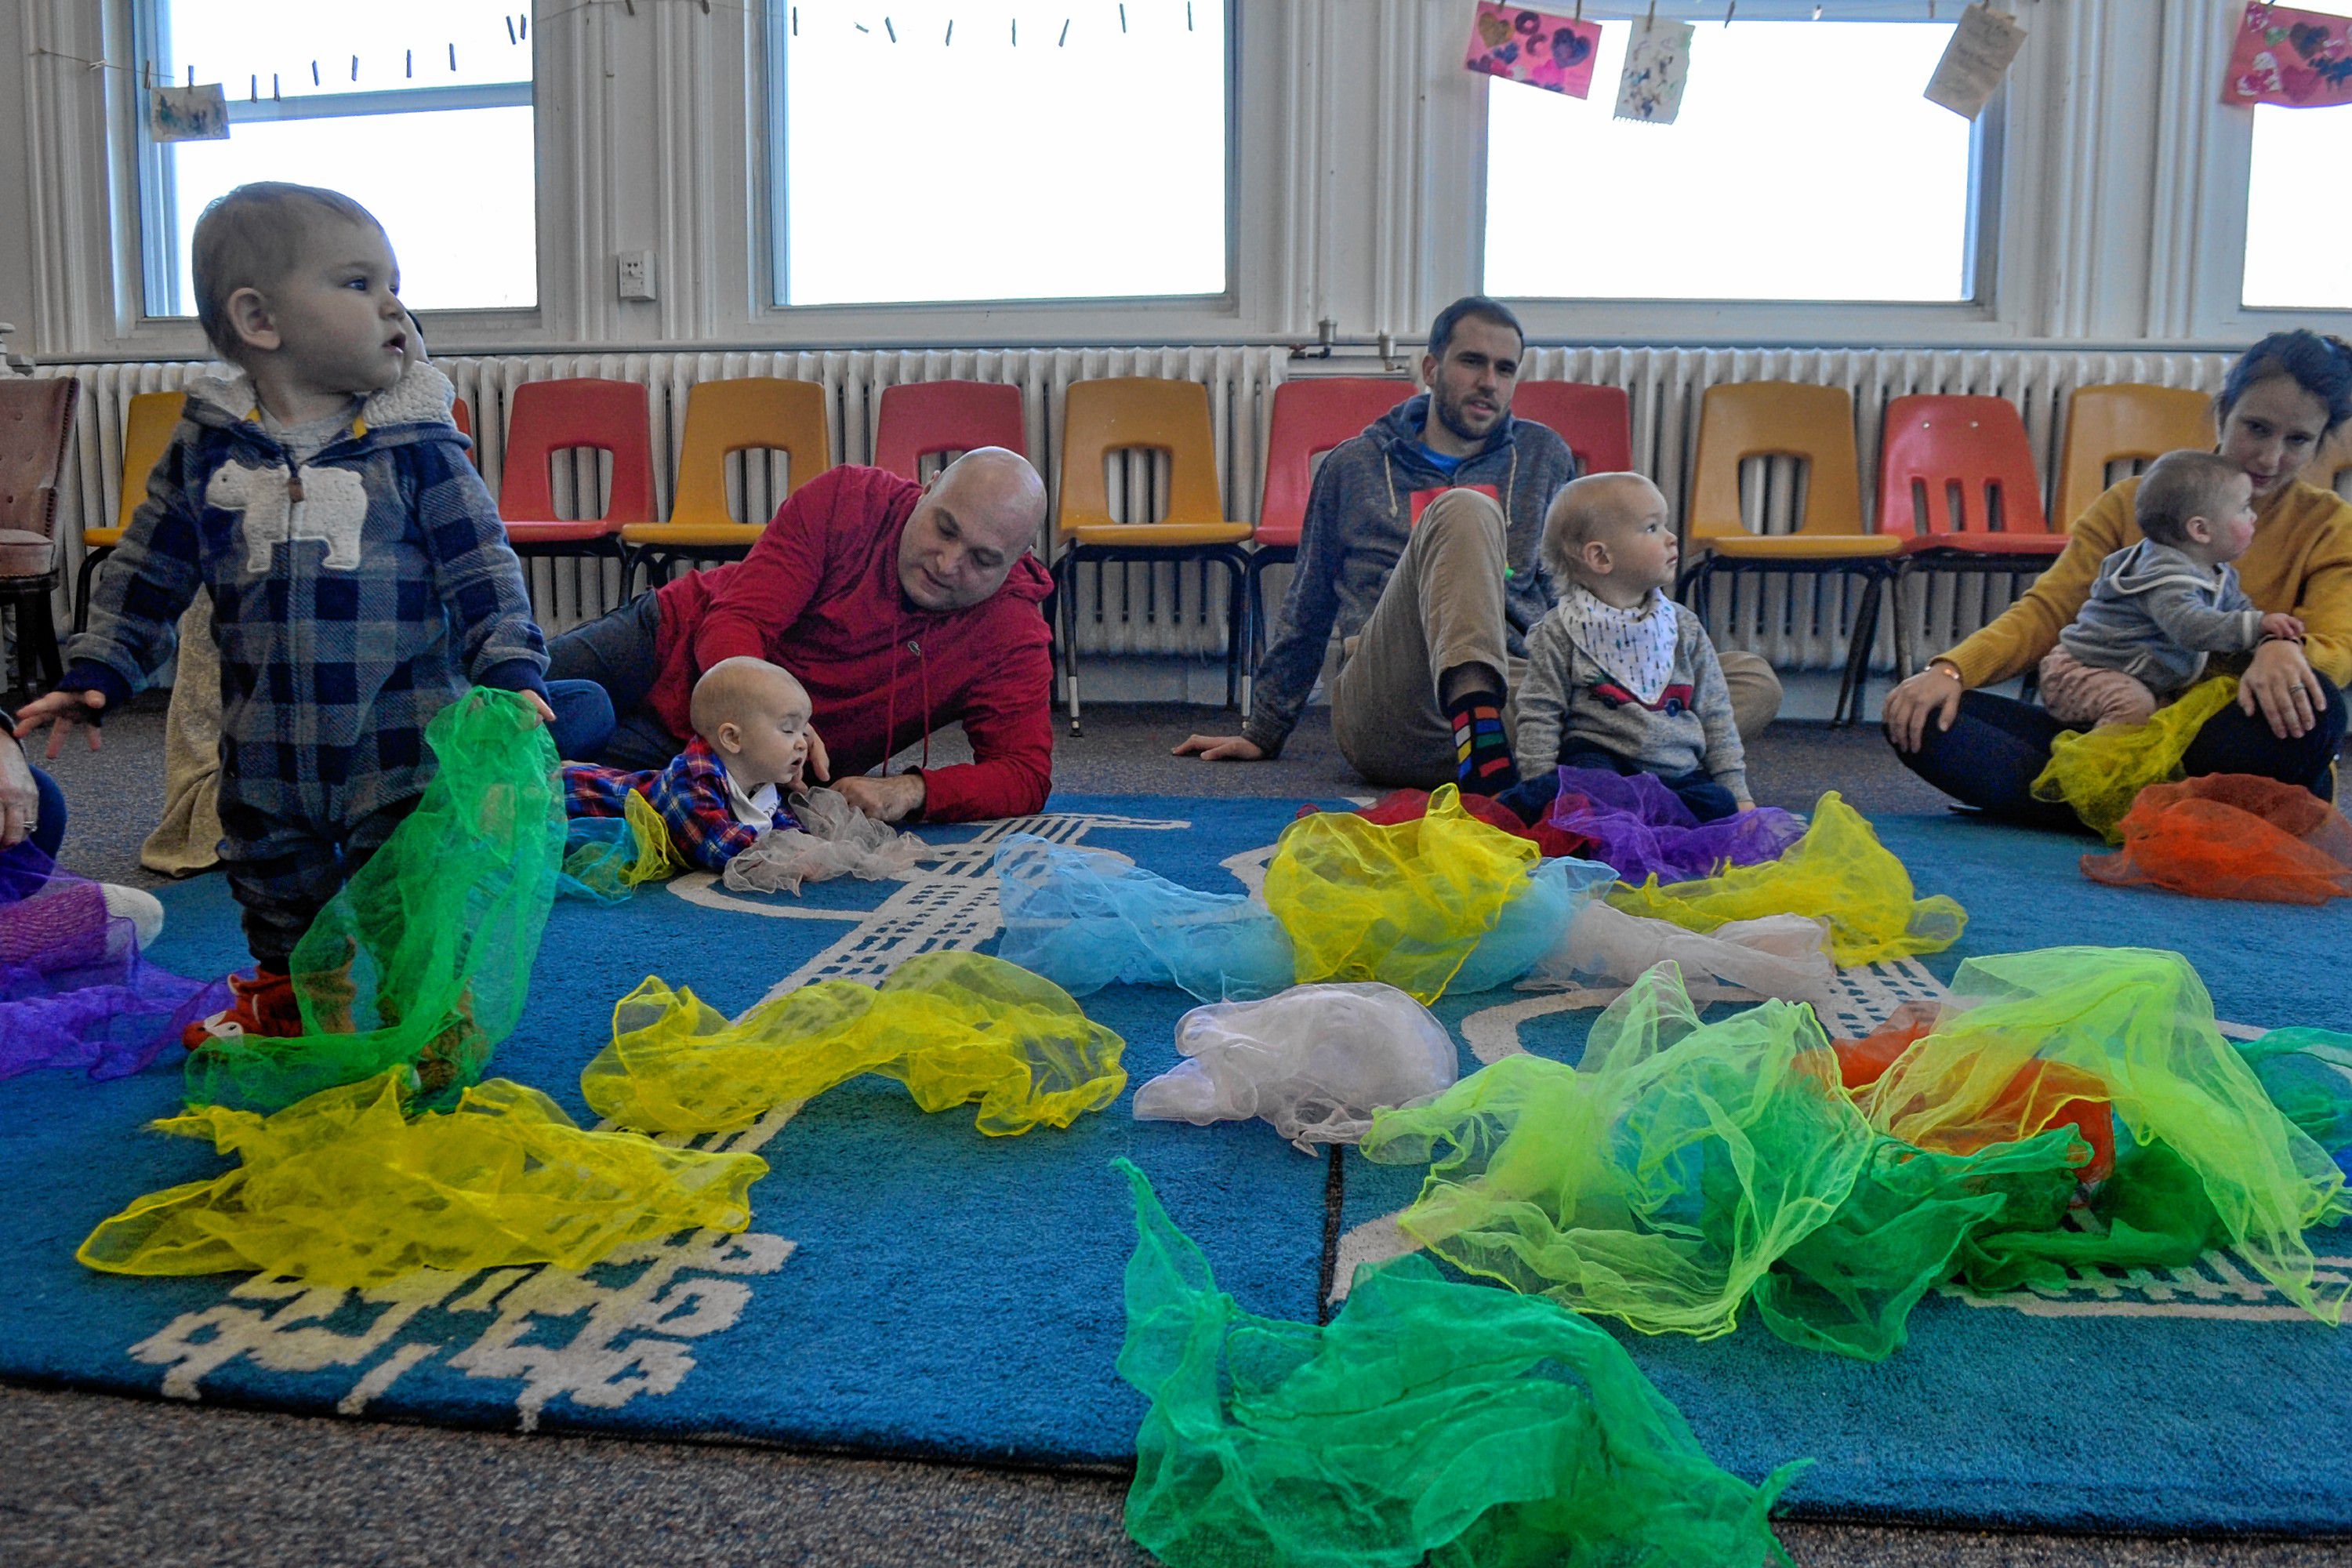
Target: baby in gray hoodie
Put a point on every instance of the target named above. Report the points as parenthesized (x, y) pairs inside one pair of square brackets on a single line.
[(2161, 606)]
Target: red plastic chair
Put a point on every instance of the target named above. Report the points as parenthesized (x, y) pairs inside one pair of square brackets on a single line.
[(1947, 466), (1309, 419), (465, 421), (919, 418), (1597, 422), (552, 417)]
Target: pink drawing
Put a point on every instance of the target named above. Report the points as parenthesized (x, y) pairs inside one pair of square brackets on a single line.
[(1554, 53), (2302, 59)]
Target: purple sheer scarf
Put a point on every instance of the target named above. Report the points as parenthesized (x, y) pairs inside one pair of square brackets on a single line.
[(1637, 826), (74, 990)]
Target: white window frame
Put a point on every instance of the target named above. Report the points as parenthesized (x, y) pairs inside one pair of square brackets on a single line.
[(1041, 316), (146, 269), (2219, 231), (1989, 310)]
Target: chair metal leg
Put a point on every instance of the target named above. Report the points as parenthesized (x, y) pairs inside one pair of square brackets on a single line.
[(1254, 635), (1070, 639), (1853, 687), (1904, 661), (1235, 619), (1697, 586), (45, 643), (83, 580)]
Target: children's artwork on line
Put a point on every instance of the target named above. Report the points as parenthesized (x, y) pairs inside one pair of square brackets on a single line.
[(1555, 53), (1657, 67), (1983, 46), (188, 114), (2302, 59)]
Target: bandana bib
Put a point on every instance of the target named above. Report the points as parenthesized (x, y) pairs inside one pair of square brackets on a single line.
[(1636, 647)]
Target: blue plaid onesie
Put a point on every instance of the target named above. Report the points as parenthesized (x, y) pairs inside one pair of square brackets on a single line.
[(355, 591)]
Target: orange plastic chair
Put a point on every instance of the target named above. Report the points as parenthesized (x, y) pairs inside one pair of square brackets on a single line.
[(1100, 417), (1777, 418), (2110, 424), (550, 416), (918, 418), (147, 426), (723, 417), (1309, 419), (1597, 422)]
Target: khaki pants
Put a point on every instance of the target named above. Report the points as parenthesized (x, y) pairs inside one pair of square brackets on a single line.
[(187, 838), (1443, 608), (2079, 693)]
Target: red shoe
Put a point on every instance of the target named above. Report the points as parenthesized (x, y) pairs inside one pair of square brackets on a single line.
[(263, 1006)]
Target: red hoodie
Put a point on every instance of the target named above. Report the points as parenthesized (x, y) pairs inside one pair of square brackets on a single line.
[(819, 594)]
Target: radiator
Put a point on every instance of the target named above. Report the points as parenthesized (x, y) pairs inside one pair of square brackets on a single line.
[(1798, 623)]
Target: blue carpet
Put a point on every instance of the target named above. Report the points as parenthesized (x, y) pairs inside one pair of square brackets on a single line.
[(911, 1287)]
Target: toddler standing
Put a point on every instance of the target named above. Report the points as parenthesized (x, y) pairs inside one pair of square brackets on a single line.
[(358, 574)]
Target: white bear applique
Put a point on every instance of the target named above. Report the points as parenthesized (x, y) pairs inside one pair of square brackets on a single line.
[(331, 509)]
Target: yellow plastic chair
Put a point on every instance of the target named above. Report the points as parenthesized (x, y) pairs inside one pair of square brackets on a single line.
[(723, 417), (1777, 418), (146, 433), (1172, 417), (2110, 424)]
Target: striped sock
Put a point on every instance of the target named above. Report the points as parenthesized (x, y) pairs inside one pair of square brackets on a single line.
[(1481, 753)]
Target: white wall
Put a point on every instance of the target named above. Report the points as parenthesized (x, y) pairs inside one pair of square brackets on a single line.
[(1360, 141)]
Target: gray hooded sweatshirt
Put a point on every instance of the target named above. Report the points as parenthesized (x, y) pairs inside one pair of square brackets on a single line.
[(2155, 613), (1358, 517)]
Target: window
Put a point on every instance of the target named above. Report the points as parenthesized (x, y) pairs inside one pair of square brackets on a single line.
[(1804, 165), (2298, 233), (420, 112), (955, 150)]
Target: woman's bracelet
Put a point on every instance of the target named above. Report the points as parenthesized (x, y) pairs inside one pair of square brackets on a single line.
[(1945, 667)]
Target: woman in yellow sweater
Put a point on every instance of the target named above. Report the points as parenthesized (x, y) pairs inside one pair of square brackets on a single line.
[(2279, 402)]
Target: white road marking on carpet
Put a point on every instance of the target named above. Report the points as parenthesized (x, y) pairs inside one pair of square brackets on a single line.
[(704, 888), (385, 1374), (562, 1332)]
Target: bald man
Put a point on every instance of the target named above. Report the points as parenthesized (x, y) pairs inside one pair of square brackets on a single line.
[(901, 608)]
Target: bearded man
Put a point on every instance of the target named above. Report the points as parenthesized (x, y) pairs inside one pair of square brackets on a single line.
[(1422, 548)]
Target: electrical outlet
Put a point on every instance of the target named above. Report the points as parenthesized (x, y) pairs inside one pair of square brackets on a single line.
[(636, 274)]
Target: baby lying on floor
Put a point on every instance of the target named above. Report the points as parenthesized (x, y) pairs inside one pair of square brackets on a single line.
[(730, 785)]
